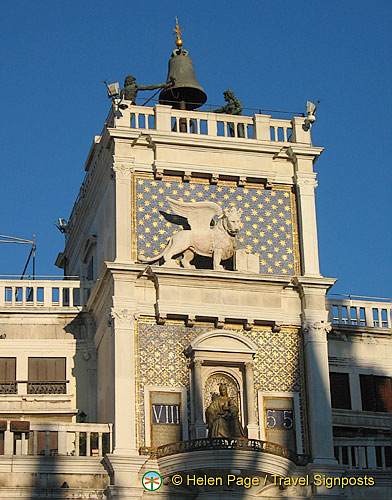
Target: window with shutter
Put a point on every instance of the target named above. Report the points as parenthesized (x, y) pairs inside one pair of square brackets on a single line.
[(8, 376), (340, 390), (46, 376)]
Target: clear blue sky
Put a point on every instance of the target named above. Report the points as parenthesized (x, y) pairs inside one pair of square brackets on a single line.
[(275, 55)]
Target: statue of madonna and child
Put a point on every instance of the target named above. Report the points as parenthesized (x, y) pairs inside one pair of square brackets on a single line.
[(222, 416)]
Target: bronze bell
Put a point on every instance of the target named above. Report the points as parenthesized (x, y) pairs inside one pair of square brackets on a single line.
[(186, 92)]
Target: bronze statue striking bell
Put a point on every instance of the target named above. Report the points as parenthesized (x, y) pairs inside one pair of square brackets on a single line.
[(186, 92)]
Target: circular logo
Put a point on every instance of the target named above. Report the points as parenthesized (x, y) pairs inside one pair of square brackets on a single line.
[(152, 481)]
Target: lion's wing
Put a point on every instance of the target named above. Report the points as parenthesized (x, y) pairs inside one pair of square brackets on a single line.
[(198, 213)]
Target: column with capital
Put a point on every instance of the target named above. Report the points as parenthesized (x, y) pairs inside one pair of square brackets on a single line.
[(318, 390), (253, 430)]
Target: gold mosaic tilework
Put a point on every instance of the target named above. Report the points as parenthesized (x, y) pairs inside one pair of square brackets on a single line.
[(268, 223), (162, 362)]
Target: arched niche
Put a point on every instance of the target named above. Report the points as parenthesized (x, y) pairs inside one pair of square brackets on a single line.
[(226, 352)]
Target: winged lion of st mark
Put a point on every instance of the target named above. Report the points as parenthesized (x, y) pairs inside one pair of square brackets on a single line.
[(218, 242)]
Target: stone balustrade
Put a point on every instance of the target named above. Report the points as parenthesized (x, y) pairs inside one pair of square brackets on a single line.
[(259, 127), (361, 454), (55, 438), (64, 294), (360, 312)]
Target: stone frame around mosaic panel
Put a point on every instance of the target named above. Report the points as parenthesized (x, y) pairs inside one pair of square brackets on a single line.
[(270, 342), (296, 269)]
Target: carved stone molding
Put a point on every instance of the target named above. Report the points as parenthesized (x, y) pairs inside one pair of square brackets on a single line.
[(122, 318), (317, 330), (122, 171), (306, 183)]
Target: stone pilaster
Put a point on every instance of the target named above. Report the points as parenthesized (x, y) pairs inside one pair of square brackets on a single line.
[(200, 426), (122, 173), (253, 430), (306, 184), (124, 382)]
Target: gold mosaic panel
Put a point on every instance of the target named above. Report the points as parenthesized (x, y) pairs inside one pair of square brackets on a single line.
[(162, 362), (268, 223)]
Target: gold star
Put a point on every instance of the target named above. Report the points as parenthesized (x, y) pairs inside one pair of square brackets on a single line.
[(249, 247), (270, 270), (213, 195), (263, 247), (259, 191), (161, 231), (241, 238), (270, 255), (289, 250), (147, 230), (288, 222), (254, 198), (199, 194), (255, 226), (276, 249), (287, 208), (268, 213), (141, 236), (140, 182), (160, 190), (155, 237), (290, 265), (276, 234), (267, 199), (239, 197), (283, 243), (284, 271), (206, 188), (167, 184), (274, 207), (141, 251), (280, 201), (263, 262), (162, 245), (187, 192), (277, 263), (219, 189), (155, 223), (140, 195), (246, 190), (246, 205), (248, 233), (269, 242), (225, 196), (148, 244), (147, 189), (147, 216), (156, 252), (274, 220), (232, 190), (255, 240), (154, 197), (286, 195), (154, 210), (174, 191), (168, 224), (284, 257), (141, 222), (154, 183), (273, 193)]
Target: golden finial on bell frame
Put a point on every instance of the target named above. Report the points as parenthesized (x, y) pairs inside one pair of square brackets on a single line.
[(178, 32)]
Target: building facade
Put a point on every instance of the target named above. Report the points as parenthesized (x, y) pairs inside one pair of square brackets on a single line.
[(110, 376)]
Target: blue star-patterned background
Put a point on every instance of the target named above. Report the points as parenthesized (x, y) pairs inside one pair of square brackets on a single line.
[(266, 223)]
